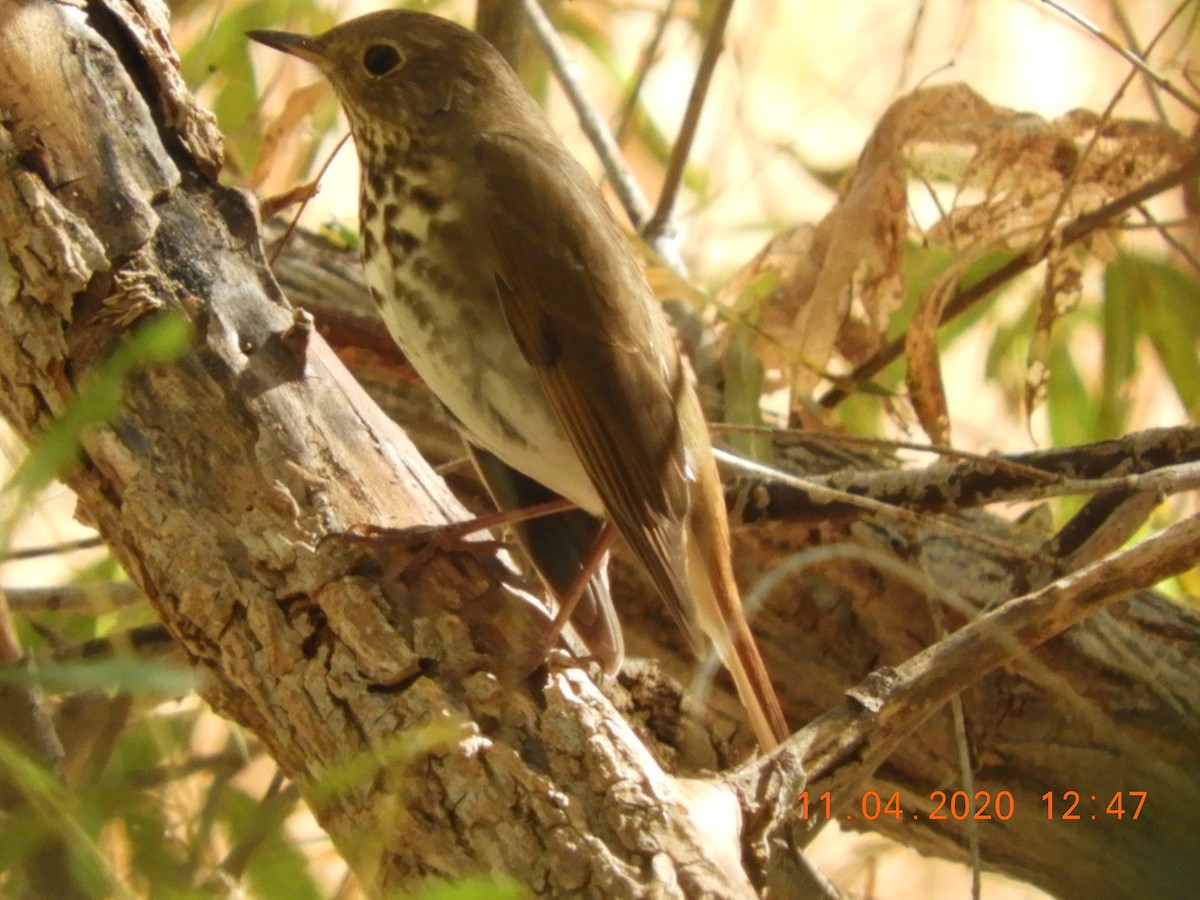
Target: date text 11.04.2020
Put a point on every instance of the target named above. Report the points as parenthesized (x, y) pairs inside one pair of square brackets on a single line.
[(958, 806)]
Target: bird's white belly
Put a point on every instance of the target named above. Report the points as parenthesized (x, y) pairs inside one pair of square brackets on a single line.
[(477, 371)]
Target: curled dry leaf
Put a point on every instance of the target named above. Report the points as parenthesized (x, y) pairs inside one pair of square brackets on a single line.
[(831, 278), (1060, 295), (926, 389), (1019, 176), (787, 265), (1013, 178)]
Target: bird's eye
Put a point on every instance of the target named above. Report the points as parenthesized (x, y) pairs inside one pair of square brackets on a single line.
[(381, 59)]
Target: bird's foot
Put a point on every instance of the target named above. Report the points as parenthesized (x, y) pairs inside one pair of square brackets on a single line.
[(397, 550)]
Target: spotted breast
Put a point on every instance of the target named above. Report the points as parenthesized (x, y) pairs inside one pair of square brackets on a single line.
[(438, 300)]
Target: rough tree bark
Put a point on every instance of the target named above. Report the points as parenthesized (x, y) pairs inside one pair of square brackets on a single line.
[(222, 475)]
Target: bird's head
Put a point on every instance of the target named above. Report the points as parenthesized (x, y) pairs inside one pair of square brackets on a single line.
[(400, 67)]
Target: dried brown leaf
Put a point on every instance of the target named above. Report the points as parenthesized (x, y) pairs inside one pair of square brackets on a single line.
[(284, 128), (926, 390), (1005, 180), (1060, 295), (1014, 172)]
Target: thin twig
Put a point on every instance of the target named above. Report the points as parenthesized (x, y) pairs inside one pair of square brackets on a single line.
[(1116, 8), (287, 235), (833, 439), (713, 45), (910, 46), (502, 24), (1042, 247), (903, 494), (88, 597), (966, 770), (272, 813), (1125, 52), (1177, 245), (824, 494), (1043, 244), (87, 543), (634, 201), (891, 704), (1184, 221), (648, 56)]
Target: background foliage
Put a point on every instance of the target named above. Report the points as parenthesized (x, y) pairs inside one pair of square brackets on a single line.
[(1095, 343)]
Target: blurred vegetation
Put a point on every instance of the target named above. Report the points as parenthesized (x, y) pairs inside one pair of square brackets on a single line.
[(168, 803)]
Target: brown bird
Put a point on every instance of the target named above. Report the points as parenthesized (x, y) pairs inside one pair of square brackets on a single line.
[(503, 275)]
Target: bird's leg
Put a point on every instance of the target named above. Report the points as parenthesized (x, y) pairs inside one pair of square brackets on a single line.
[(451, 536), (590, 565), (456, 531), (446, 537)]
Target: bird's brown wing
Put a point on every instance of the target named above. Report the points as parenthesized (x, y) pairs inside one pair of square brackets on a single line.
[(581, 311)]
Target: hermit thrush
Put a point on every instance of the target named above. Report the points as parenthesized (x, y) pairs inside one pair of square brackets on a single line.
[(504, 277)]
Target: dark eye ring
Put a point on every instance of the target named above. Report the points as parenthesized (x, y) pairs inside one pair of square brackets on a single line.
[(381, 59)]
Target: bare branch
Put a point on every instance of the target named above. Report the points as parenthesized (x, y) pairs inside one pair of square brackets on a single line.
[(660, 224), (891, 704), (91, 597), (1125, 53), (593, 124)]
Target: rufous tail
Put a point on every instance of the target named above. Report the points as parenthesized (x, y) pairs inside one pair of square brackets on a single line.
[(720, 616)]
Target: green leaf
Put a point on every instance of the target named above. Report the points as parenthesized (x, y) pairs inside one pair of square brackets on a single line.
[(274, 866), (1070, 407), (744, 377), (121, 674), (220, 58), (923, 265), (473, 889), (158, 862), (143, 747), (402, 749), (1169, 315), (54, 811), (341, 235), (1125, 280), (743, 385)]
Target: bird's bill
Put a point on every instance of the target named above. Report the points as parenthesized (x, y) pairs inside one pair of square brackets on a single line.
[(298, 45)]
